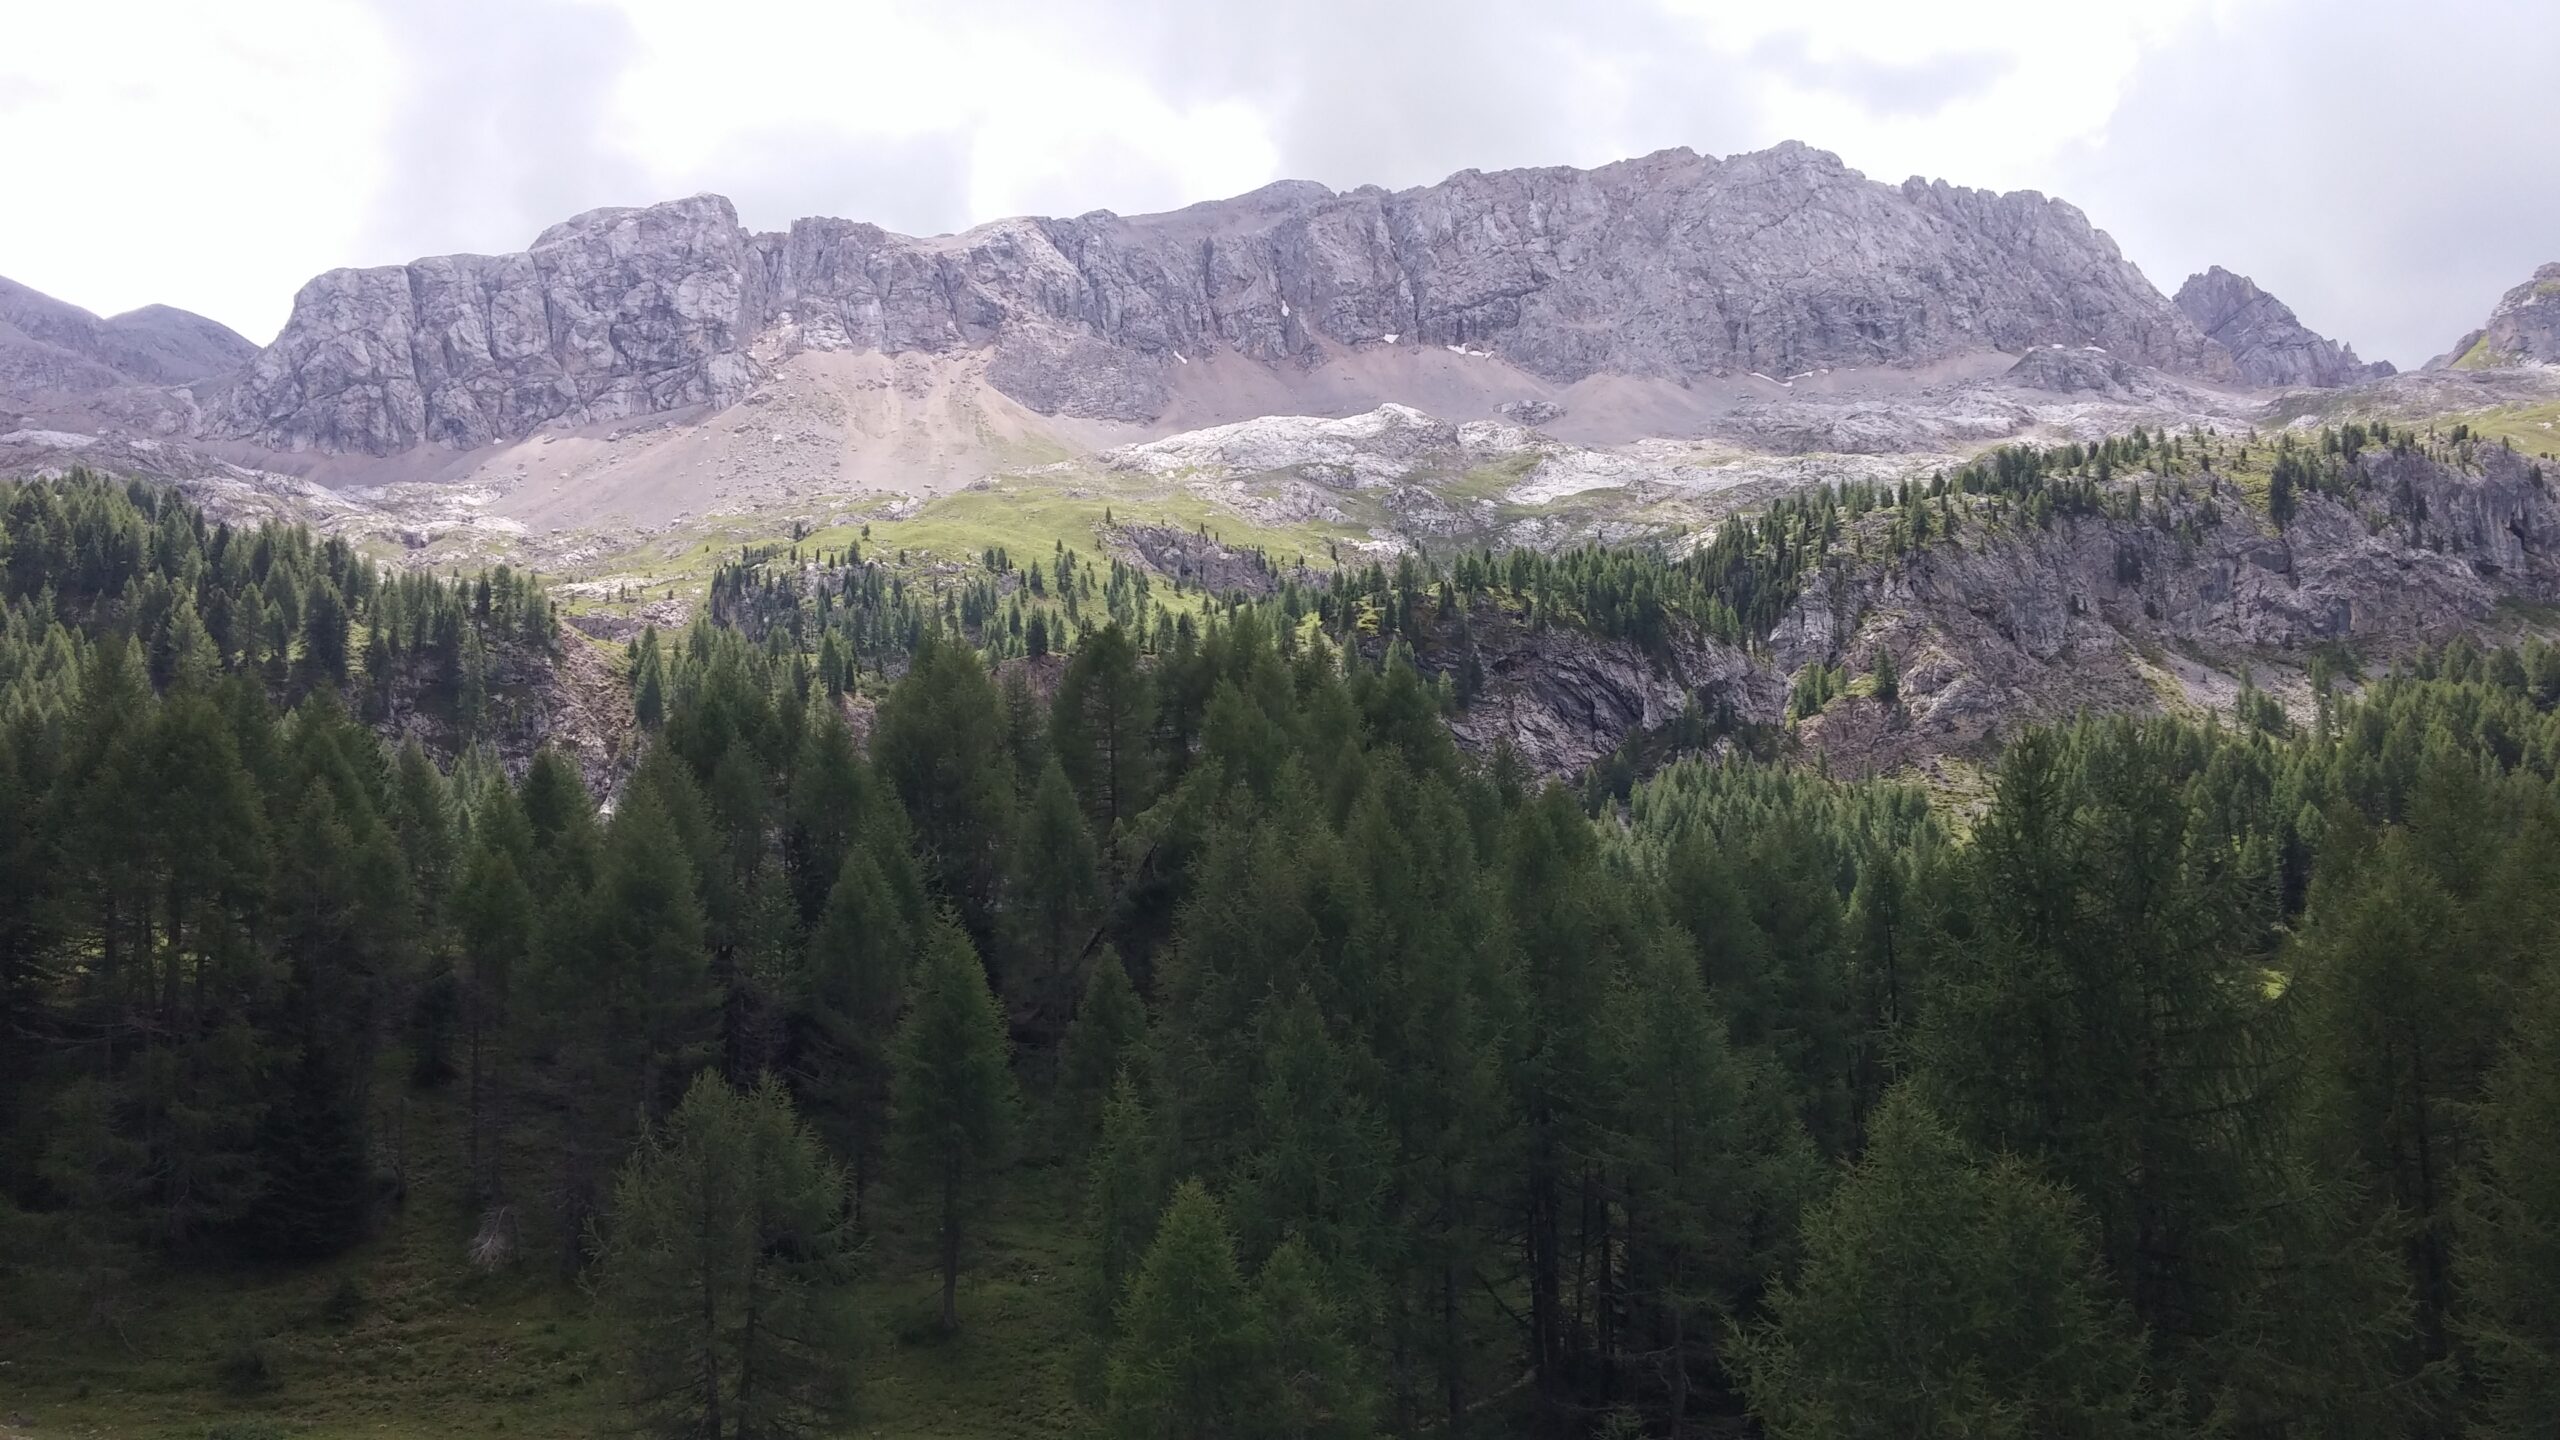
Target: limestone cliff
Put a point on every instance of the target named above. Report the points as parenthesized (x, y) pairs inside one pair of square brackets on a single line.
[(1671, 266)]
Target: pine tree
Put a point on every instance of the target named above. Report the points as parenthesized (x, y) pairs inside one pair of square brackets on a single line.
[(939, 743), (1101, 729), (851, 987), (953, 1096), (1125, 1192), (723, 1266), (1184, 1366), (1107, 1036), (1056, 892), (1939, 1297)]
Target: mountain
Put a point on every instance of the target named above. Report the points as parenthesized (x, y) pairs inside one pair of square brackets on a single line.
[(2270, 346), (1668, 269), (48, 347), (2523, 330)]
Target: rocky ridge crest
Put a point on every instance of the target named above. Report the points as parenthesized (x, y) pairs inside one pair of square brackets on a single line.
[(2266, 340), (1671, 266), (2523, 330)]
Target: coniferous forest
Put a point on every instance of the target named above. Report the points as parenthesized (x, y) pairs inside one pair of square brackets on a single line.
[(2202, 1080)]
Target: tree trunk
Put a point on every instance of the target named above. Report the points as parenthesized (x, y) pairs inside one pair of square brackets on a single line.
[(950, 1254)]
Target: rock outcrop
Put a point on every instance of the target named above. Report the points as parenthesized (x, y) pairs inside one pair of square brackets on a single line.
[(1671, 266), (2008, 624), (611, 314), (2267, 342), (50, 348), (2523, 330)]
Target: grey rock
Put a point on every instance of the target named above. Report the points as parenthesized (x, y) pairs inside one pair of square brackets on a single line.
[(2523, 330), (51, 348), (2074, 370), (1672, 266), (2268, 343), (614, 313)]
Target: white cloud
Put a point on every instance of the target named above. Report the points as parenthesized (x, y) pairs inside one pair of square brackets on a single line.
[(211, 155), (214, 157)]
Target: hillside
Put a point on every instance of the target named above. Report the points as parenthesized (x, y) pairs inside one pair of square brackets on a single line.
[(1274, 1041)]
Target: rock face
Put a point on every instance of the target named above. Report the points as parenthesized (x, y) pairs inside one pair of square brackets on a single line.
[(2002, 628), (2523, 330), (2266, 341), (613, 313), (50, 348), (2008, 625), (1671, 266)]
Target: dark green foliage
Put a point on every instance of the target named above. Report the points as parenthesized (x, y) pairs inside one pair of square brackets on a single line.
[(939, 745), (1204, 1354), (1106, 1039), (1941, 1296), (725, 1244), (1483, 1117), (953, 1094)]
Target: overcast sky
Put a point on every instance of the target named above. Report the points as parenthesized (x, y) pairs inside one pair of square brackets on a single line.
[(2386, 169)]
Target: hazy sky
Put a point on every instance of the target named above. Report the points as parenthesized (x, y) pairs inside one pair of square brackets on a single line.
[(2386, 174)]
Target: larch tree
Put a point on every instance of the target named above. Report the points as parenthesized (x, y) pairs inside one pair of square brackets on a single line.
[(723, 1265), (953, 1097)]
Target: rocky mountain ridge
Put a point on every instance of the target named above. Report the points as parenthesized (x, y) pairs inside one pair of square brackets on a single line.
[(2267, 341), (2523, 330), (1670, 267), (49, 347)]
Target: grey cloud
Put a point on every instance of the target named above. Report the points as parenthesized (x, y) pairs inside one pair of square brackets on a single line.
[(1907, 88), (1358, 92), (2386, 174), (916, 185), (501, 127)]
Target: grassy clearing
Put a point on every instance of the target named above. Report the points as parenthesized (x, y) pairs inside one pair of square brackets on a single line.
[(2481, 356), (2533, 429), (400, 1339)]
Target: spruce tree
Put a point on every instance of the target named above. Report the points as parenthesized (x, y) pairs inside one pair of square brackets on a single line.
[(1101, 726), (939, 743)]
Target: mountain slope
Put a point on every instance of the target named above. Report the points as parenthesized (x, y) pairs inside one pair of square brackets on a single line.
[(2523, 330), (2268, 343), (48, 347), (1669, 268)]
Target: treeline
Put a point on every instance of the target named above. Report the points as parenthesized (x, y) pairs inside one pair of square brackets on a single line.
[(854, 614), (87, 559)]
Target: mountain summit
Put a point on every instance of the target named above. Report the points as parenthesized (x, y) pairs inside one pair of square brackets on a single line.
[(48, 346), (2268, 343)]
